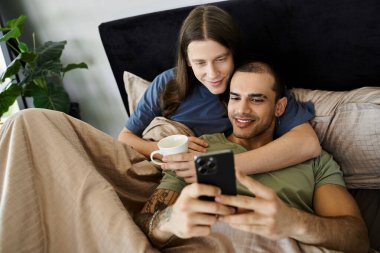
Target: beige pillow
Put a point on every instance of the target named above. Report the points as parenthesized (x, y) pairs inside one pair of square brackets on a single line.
[(135, 87), (348, 126)]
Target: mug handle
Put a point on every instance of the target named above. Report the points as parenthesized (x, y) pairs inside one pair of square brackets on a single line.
[(152, 158)]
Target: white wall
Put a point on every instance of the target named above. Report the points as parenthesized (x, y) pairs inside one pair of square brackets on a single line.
[(77, 22)]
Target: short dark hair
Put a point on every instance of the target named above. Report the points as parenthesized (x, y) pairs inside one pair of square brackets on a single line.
[(264, 68)]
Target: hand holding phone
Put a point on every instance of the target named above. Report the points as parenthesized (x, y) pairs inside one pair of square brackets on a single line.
[(218, 169)]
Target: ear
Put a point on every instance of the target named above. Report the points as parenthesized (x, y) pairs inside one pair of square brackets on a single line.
[(280, 106)]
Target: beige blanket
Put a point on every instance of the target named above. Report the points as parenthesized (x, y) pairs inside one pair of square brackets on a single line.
[(67, 187)]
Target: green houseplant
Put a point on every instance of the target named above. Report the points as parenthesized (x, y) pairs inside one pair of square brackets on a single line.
[(40, 71)]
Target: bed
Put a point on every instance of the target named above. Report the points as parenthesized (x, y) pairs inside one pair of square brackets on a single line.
[(328, 53)]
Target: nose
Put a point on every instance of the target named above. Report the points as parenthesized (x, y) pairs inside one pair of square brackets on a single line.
[(243, 106), (212, 71)]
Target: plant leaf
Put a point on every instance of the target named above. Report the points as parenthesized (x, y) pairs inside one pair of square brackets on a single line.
[(8, 97), (50, 51), (23, 47), (17, 22), (48, 70), (12, 69), (54, 97), (13, 28), (27, 56), (14, 33), (72, 66)]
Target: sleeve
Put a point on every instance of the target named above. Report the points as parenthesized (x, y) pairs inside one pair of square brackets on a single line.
[(171, 182), (149, 105), (327, 170), (296, 113)]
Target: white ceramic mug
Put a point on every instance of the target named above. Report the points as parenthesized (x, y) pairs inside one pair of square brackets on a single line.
[(170, 145)]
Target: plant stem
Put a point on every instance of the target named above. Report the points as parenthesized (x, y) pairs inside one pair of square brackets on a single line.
[(13, 48), (34, 42)]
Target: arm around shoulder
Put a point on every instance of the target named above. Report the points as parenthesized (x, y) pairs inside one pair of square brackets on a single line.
[(298, 145)]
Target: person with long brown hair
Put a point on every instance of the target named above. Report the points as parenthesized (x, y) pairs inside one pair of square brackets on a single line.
[(193, 92)]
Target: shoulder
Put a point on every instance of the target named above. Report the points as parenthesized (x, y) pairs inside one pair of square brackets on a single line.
[(296, 113), (165, 76), (327, 170), (325, 158), (160, 82)]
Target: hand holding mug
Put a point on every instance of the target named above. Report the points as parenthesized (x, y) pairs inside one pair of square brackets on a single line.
[(173, 144)]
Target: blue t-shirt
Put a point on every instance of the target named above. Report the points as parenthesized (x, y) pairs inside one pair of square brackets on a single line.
[(202, 111)]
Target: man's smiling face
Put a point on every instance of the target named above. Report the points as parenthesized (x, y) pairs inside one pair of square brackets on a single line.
[(252, 105)]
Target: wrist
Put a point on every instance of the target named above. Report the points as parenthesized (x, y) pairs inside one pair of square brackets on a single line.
[(158, 235), (298, 227)]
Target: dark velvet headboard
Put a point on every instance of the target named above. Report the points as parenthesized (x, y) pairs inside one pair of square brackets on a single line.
[(326, 44)]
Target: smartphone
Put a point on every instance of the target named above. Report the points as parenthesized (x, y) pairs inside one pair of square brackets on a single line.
[(217, 168)]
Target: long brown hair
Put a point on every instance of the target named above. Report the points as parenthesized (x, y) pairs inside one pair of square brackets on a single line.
[(203, 22)]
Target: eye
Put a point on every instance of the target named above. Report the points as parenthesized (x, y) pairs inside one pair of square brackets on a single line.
[(233, 97), (200, 63), (221, 59), (257, 100)]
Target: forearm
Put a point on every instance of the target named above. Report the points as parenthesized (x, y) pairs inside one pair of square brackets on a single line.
[(155, 213), (151, 225), (296, 146), (140, 145), (344, 233)]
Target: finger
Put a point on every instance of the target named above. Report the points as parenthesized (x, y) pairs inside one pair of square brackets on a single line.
[(258, 189), (190, 201), (251, 218), (178, 166), (181, 157), (198, 141), (256, 204), (209, 207), (187, 173), (239, 201), (196, 190), (197, 148), (203, 219), (205, 207), (190, 180)]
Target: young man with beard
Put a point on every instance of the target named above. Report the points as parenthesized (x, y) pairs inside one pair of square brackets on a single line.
[(307, 203)]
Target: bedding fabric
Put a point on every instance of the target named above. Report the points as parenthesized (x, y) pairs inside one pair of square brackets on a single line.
[(348, 126), (67, 187)]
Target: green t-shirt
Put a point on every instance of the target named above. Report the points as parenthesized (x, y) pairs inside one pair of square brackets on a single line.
[(295, 185)]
